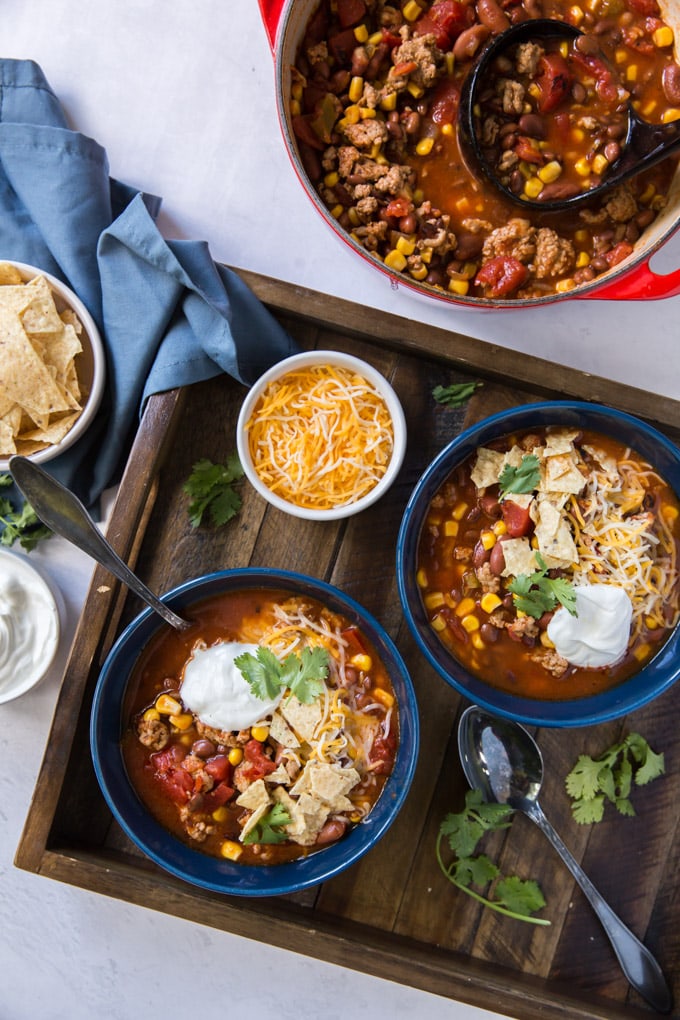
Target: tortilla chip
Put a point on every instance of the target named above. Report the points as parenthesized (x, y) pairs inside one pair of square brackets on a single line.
[(487, 467), (280, 731), (561, 474), (304, 719), (519, 557), (9, 274), (560, 441), (555, 542), (254, 796), (605, 460)]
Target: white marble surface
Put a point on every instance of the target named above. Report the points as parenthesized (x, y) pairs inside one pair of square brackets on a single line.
[(181, 96)]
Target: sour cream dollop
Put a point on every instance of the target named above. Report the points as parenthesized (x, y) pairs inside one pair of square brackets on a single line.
[(215, 690), (29, 626), (598, 634)]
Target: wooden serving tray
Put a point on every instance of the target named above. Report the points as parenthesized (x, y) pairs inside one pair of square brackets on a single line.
[(392, 914)]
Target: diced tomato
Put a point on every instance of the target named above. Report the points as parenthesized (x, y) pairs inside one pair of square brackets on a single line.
[(218, 767), (390, 39), (445, 21), (355, 645), (502, 275), (342, 45), (517, 519), (218, 796), (302, 126), (383, 751), (169, 758), (398, 207), (554, 81), (350, 11), (648, 8), (605, 84), (618, 253), (527, 151), (445, 102), (255, 762), (178, 784)]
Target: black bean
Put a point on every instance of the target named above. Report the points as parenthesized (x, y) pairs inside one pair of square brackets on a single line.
[(489, 633), (532, 124), (203, 748)]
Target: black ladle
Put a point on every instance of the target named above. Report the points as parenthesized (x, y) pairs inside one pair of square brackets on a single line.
[(645, 144)]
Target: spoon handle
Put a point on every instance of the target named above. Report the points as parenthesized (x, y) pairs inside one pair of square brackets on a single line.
[(60, 510), (637, 963)]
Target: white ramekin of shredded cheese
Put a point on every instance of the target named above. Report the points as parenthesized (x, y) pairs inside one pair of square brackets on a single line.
[(29, 626), (321, 435)]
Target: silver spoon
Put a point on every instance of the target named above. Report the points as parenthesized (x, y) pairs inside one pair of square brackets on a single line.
[(60, 510), (502, 760)]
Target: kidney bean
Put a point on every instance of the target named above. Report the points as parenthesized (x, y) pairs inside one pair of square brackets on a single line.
[(670, 82), (508, 141), (436, 278), (490, 505), (532, 124), (644, 218), (203, 748), (587, 45), (497, 558), (468, 246), (632, 232), (599, 264), (408, 224), (411, 123), (516, 182), (489, 633), (508, 129), (578, 92), (558, 190), (469, 41), (612, 151), (480, 555), (331, 831), (492, 15)]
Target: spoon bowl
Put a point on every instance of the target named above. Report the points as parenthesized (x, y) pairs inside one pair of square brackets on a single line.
[(645, 144), (63, 512), (502, 760)]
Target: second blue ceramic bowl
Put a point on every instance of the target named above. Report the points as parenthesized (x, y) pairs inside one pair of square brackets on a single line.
[(656, 677)]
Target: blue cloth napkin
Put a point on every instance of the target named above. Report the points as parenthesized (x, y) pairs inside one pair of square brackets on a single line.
[(169, 315)]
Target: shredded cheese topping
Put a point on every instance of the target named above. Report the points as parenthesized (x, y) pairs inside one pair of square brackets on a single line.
[(321, 437), (621, 543)]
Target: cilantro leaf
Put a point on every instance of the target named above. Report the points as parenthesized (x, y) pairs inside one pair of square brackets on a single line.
[(302, 674), (610, 777), (456, 394), (536, 594), (512, 896), (5, 480), (23, 525), (262, 671), (270, 829), (524, 478), (210, 487)]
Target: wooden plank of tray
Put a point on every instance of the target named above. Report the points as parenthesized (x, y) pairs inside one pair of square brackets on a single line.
[(392, 914)]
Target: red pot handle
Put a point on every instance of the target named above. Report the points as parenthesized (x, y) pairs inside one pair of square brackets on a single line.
[(638, 284), (271, 15)]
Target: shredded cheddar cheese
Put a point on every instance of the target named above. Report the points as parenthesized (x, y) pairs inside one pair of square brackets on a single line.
[(320, 437)]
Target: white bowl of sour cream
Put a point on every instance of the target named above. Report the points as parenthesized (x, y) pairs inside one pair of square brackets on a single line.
[(29, 626)]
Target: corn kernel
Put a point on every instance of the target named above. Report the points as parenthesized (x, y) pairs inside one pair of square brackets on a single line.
[(534, 90), (389, 103), (564, 49), (533, 187), (231, 850), (670, 512), (451, 529), (648, 194), (651, 623), (384, 697), (296, 90), (545, 640), (450, 62), (220, 814), (631, 72), (375, 38), (362, 662), (235, 756), (411, 10), (295, 108), (465, 607), (183, 721), (582, 167), (361, 34), (417, 91), (663, 37), (562, 286), (490, 601), (337, 211), (459, 511), (582, 259), (550, 172), (488, 539), (352, 114), (354, 217), (648, 109), (577, 135), (395, 260), (459, 286), (420, 273), (331, 179), (167, 705), (438, 623), (477, 641), (600, 163), (470, 623), (421, 578), (621, 56), (641, 652), (434, 599), (424, 146), (669, 115), (367, 113), (425, 256), (151, 715), (405, 245), (448, 130), (499, 528), (259, 733), (576, 15)]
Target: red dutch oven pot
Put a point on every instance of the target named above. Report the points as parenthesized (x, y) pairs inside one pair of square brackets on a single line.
[(633, 279)]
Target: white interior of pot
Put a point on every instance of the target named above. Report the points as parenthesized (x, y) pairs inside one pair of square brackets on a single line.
[(291, 31)]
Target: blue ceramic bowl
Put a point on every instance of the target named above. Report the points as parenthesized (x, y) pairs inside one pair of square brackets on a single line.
[(656, 677), (223, 876)]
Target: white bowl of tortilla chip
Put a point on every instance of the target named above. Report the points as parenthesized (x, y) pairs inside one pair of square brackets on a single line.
[(52, 368)]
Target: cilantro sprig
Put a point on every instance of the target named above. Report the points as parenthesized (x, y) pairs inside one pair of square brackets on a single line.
[(610, 778), (211, 488), (512, 896), (270, 829), (521, 479), (536, 594), (456, 394), (302, 674), (21, 525)]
